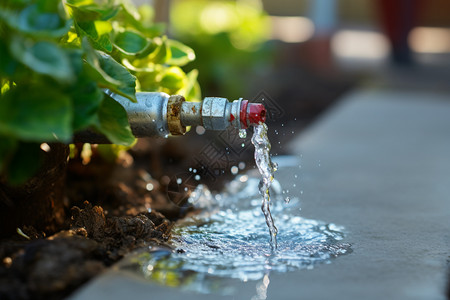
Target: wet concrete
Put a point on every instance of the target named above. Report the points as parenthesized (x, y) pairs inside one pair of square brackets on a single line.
[(377, 164)]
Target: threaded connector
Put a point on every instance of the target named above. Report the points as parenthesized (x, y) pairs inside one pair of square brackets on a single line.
[(218, 113)]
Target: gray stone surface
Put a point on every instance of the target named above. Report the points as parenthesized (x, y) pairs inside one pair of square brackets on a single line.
[(378, 164)]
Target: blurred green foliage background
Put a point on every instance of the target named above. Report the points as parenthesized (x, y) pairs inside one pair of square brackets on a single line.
[(229, 38)]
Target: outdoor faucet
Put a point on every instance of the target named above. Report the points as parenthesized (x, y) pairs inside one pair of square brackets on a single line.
[(158, 114)]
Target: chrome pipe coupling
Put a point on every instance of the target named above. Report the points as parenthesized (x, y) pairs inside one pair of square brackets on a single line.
[(219, 113)]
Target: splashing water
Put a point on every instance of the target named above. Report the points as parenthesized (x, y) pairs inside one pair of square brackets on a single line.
[(266, 167), (228, 239), (242, 133)]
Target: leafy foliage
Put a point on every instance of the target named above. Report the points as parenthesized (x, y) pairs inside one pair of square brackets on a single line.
[(230, 37), (56, 59)]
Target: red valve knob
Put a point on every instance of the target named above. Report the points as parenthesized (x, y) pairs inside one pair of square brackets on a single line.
[(252, 114)]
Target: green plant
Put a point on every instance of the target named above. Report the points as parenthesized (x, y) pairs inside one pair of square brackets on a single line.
[(57, 57), (230, 39)]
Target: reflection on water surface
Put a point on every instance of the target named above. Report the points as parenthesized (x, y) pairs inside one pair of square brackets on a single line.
[(230, 239)]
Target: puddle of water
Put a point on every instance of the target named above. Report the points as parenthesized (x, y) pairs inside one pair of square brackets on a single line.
[(229, 241)]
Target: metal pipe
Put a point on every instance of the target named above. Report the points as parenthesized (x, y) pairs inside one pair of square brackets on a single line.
[(158, 114)]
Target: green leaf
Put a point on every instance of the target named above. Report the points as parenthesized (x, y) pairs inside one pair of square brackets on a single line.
[(113, 122), (139, 65), (36, 113), (24, 163), (181, 54), (8, 65), (192, 89), (149, 78), (33, 20), (85, 94), (92, 12), (49, 5), (173, 79), (93, 68), (109, 74), (89, 30), (86, 99), (162, 53), (115, 70), (140, 19), (91, 21), (130, 9), (44, 58), (131, 43), (76, 60)]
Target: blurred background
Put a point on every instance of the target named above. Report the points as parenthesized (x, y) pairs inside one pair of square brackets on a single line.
[(298, 57)]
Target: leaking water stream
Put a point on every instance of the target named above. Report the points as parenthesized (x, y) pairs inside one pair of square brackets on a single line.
[(228, 239), (266, 168)]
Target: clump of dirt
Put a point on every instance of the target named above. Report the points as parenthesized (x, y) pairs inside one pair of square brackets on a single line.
[(52, 267), (118, 235)]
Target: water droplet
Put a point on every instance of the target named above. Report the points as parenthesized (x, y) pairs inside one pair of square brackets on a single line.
[(255, 202), (234, 170), (197, 177), (294, 185), (274, 166), (242, 133), (282, 125), (200, 130), (242, 145), (295, 176), (287, 199), (149, 187), (301, 192), (194, 171), (292, 131), (179, 180), (243, 178), (241, 165), (45, 147), (186, 189), (190, 169)]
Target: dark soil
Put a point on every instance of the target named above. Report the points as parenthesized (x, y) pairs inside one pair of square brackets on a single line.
[(52, 267), (35, 265)]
